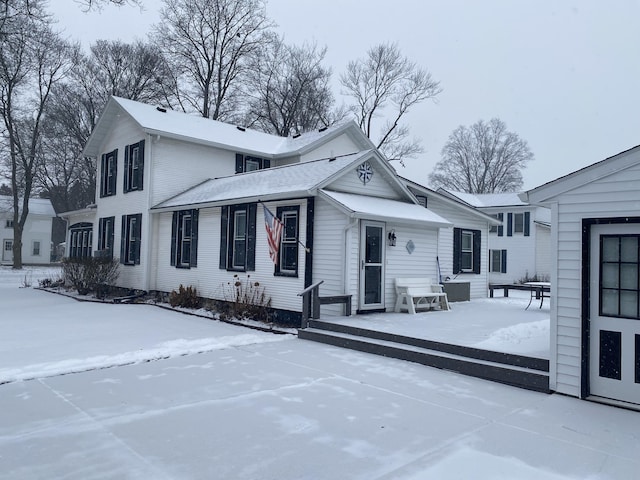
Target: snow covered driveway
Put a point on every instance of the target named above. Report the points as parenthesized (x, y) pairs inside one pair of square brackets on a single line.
[(271, 407)]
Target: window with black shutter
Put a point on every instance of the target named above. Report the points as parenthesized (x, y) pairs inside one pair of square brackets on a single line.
[(105, 237), (288, 250), (466, 251), (130, 239), (238, 237), (134, 167), (184, 239), (108, 173)]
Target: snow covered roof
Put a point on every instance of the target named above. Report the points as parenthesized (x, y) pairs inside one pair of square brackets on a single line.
[(300, 179), (480, 200), (37, 206), (193, 128), (376, 208), (586, 175)]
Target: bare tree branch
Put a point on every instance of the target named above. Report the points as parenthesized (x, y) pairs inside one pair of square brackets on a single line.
[(483, 158)]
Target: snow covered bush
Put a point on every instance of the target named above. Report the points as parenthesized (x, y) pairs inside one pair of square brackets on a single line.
[(90, 274)]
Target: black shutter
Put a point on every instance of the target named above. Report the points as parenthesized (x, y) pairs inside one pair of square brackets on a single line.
[(224, 225), (112, 188), (503, 267), (251, 237), (101, 226), (477, 245), (527, 219), (174, 238), (509, 224), (501, 227), (266, 163), (239, 162), (138, 236), (110, 234), (141, 165), (457, 246), (193, 261), (123, 239), (103, 174), (127, 170)]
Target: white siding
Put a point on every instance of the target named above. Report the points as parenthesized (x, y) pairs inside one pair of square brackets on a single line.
[(332, 254), (36, 229), (378, 186), (615, 196), (543, 251), (178, 166), (460, 219), (340, 145), (210, 280)]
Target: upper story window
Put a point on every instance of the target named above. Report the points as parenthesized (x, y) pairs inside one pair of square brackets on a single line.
[(466, 251), (9, 223), (288, 254), (36, 248), (497, 228), (133, 166), (131, 239), (108, 173), (184, 239), (248, 163), (518, 223), (238, 237)]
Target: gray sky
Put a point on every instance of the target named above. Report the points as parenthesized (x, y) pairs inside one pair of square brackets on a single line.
[(562, 74)]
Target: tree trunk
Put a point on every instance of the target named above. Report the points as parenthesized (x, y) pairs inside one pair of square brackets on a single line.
[(17, 246)]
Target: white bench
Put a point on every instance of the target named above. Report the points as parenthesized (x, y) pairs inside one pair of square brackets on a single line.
[(415, 293)]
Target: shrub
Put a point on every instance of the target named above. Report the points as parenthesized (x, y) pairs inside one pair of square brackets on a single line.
[(50, 282), (535, 278), (247, 299), (90, 274), (186, 297)]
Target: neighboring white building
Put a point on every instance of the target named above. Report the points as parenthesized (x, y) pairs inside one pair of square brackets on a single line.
[(36, 235), (595, 279), (181, 200), (519, 249)]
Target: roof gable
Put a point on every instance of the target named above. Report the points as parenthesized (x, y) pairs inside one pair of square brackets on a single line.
[(37, 206), (547, 192)]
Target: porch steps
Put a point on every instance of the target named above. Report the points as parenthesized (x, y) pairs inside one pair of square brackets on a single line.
[(517, 370)]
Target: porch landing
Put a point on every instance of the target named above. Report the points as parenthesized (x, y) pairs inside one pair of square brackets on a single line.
[(494, 339)]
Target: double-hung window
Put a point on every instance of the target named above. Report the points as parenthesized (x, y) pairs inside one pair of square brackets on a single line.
[(518, 223), (498, 261), (238, 237), (466, 251), (130, 239), (105, 237), (108, 173), (184, 239), (36, 248), (134, 166), (288, 254)]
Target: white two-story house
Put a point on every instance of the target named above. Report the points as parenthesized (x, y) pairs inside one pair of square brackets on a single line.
[(519, 249), (36, 235), (185, 200)]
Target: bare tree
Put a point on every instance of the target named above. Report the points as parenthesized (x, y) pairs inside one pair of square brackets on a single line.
[(482, 158), (387, 84), (32, 60), (289, 89), (209, 44), (98, 4)]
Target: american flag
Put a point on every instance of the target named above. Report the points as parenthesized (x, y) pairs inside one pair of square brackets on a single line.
[(274, 230)]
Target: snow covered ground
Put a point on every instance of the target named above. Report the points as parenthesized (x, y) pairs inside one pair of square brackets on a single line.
[(163, 395)]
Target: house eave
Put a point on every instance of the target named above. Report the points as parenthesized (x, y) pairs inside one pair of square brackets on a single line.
[(236, 200)]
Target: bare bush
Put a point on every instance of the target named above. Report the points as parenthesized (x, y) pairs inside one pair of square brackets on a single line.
[(90, 274)]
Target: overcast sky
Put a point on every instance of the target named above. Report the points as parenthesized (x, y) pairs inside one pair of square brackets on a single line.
[(564, 75)]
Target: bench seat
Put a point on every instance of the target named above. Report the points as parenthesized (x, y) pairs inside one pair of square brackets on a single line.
[(414, 293)]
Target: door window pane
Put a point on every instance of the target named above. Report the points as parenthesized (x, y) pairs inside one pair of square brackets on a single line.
[(629, 249), (373, 247), (620, 276), (373, 284)]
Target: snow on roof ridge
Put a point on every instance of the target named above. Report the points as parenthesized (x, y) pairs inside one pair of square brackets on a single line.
[(165, 119)]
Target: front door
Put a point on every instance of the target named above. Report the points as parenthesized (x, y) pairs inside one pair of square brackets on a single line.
[(614, 341), (7, 250), (372, 255)]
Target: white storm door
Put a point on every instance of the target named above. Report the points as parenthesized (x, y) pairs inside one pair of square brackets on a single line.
[(614, 342), (7, 250), (372, 260)]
